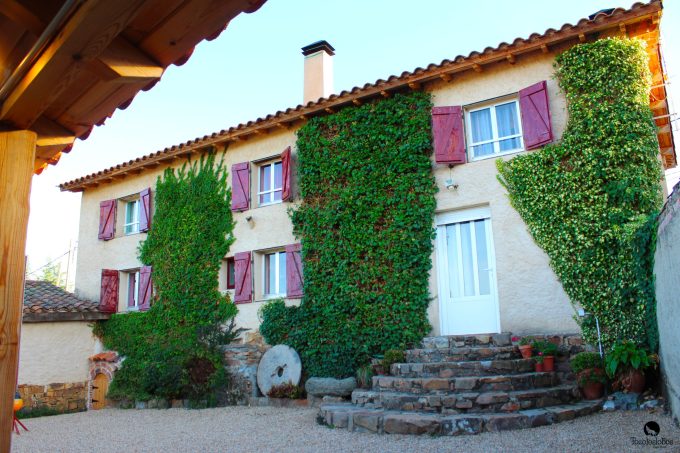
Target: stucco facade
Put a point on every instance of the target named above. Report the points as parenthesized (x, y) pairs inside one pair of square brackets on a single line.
[(530, 298)]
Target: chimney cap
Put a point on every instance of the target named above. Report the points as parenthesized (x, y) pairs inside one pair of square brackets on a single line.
[(317, 46)]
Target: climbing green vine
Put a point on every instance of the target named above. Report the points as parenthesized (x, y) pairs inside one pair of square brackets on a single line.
[(591, 201), (366, 228), (173, 350)]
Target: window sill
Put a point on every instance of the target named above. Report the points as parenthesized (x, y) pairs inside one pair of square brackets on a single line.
[(262, 205), (494, 156)]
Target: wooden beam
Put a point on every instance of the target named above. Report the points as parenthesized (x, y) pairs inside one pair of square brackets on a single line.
[(511, 58), (356, 102), (582, 37), (544, 48), (51, 133), (329, 110), (122, 62), (414, 85), (384, 94), (477, 68), (445, 77), (17, 154), (84, 37), (22, 15)]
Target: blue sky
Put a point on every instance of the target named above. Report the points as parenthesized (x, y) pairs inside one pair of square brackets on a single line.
[(255, 68)]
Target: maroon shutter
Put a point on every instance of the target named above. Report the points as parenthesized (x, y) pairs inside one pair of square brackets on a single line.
[(240, 186), (286, 172), (294, 271), (244, 284), (145, 210), (145, 286), (449, 135), (108, 296), (131, 289), (107, 219), (536, 125)]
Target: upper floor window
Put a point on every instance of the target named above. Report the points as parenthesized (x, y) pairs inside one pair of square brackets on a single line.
[(271, 183), (231, 273), (494, 129), (275, 274), (132, 217)]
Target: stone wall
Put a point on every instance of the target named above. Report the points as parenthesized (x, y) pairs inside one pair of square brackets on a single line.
[(241, 362), (69, 397), (667, 272)]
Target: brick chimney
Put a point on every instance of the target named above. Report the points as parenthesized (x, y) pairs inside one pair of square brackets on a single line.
[(318, 71)]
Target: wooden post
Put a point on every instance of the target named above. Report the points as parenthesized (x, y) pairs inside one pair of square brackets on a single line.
[(17, 155)]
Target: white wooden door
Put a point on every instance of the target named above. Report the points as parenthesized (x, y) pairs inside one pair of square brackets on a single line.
[(468, 301)]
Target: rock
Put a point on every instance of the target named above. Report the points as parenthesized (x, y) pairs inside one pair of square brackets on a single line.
[(329, 386), (625, 401), (140, 404), (650, 404), (609, 406), (280, 365), (411, 424), (501, 339)]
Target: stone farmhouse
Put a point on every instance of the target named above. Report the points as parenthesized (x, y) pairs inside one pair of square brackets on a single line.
[(488, 275)]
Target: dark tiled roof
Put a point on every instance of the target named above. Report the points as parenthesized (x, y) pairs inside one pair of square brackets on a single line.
[(473, 61), (44, 297)]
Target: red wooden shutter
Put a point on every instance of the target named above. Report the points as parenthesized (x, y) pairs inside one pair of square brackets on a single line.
[(145, 210), (286, 172), (244, 284), (107, 219), (449, 135), (536, 125), (294, 271), (145, 286), (108, 296), (240, 186)]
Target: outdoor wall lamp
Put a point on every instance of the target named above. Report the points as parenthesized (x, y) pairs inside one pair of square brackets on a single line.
[(582, 314)]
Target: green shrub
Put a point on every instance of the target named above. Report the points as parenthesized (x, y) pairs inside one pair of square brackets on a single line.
[(365, 222), (626, 355), (591, 201), (392, 356), (364, 376), (585, 360), (173, 350), (544, 347)]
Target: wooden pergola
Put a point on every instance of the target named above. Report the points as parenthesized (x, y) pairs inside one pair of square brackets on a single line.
[(66, 66)]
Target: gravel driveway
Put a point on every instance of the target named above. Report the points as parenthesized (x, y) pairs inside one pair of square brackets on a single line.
[(268, 429)]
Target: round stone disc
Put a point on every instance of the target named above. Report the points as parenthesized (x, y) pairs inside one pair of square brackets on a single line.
[(280, 365)]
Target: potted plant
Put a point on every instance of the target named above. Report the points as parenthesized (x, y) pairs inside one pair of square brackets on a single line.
[(525, 347), (539, 365), (626, 362), (590, 374), (548, 350)]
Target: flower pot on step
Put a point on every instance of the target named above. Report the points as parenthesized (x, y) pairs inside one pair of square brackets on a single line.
[(633, 381), (549, 363), (539, 367), (593, 390), (526, 351)]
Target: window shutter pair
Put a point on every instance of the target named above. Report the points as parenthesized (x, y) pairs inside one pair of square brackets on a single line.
[(449, 133), (110, 284), (240, 182), (107, 215), (244, 282)]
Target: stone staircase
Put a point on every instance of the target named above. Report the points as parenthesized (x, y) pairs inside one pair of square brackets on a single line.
[(460, 385)]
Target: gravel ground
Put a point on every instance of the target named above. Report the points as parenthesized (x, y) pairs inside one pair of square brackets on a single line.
[(268, 429)]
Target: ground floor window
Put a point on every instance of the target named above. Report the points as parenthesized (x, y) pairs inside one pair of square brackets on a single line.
[(133, 290), (274, 274)]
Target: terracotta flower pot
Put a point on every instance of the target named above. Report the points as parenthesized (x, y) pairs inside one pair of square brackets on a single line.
[(633, 381), (539, 367), (525, 350), (593, 390), (549, 363)]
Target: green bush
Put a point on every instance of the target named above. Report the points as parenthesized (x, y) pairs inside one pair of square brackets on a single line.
[(586, 360), (392, 356), (626, 355), (591, 201), (287, 390), (173, 350), (365, 222)]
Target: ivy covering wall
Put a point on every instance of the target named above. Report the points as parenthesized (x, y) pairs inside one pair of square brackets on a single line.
[(366, 228), (173, 350), (591, 201)]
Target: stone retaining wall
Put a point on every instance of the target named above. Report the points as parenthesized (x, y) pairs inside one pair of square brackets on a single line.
[(241, 362), (62, 397)]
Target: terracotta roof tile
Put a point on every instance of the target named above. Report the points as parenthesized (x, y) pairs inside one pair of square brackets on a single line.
[(44, 297)]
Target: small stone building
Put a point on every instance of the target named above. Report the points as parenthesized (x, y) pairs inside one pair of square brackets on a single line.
[(56, 344)]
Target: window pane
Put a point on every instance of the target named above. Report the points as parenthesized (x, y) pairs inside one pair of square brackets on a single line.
[(231, 274), (480, 121), (510, 144), (265, 178), (278, 175), (282, 273), (277, 195), (270, 266), (266, 198), (466, 250), (482, 150), (506, 119), (452, 257), (132, 294), (482, 258)]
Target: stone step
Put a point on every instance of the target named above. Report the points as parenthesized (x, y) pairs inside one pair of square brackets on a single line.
[(462, 368), (464, 353), (456, 341), (353, 418), (480, 402), (503, 383)]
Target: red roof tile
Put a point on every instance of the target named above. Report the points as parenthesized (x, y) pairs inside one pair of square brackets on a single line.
[(44, 297)]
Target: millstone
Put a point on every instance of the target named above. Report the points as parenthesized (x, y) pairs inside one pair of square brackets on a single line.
[(280, 365)]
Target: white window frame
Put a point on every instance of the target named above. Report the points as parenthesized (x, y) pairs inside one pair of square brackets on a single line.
[(494, 129), (280, 254), (134, 222), (272, 178), (135, 295)]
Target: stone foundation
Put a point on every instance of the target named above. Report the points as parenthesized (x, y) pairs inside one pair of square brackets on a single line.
[(241, 362), (61, 397)]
